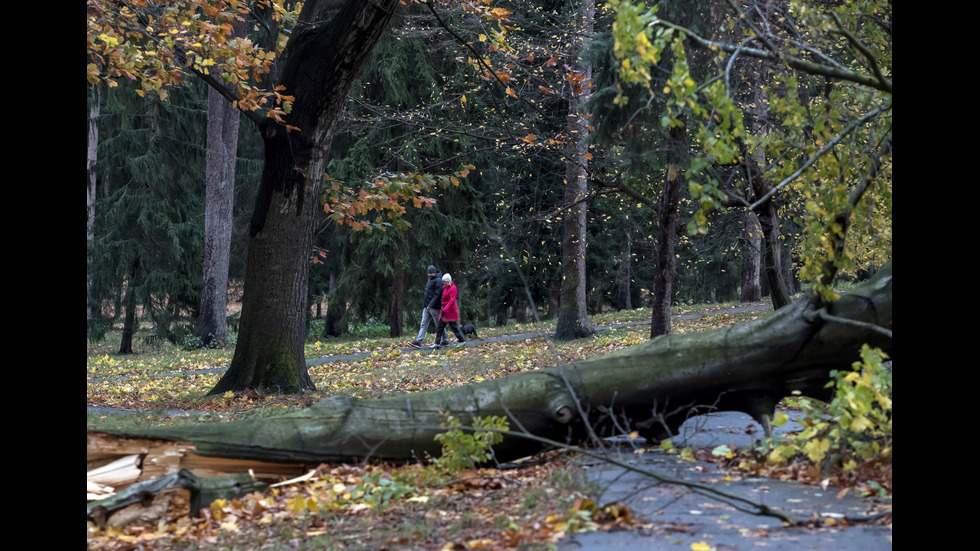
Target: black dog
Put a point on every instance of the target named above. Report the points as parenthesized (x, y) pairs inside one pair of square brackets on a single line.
[(468, 330)]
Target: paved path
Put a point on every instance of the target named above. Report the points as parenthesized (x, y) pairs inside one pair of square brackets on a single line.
[(676, 518)]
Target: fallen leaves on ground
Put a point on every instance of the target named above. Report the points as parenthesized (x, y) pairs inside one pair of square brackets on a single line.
[(481, 509), (387, 507)]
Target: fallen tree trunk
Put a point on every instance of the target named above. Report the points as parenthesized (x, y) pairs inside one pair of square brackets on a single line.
[(650, 388)]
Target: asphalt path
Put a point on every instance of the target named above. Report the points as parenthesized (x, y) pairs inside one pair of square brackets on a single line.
[(673, 516)]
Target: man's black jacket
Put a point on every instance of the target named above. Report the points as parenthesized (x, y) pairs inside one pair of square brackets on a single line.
[(433, 292)]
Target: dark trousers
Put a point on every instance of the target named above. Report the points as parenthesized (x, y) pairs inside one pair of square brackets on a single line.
[(441, 332)]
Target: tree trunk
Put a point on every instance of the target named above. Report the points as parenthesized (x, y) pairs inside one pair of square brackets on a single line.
[(318, 66), (396, 311), (93, 156), (663, 282), (651, 388), (519, 311), (336, 308), (222, 152), (773, 263), (130, 321), (573, 318), (752, 259), (624, 299), (554, 301)]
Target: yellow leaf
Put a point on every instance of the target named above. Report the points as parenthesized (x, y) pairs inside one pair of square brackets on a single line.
[(779, 419), (861, 423), (700, 546)]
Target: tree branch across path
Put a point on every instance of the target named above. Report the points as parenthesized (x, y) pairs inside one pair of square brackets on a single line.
[(650, 388)]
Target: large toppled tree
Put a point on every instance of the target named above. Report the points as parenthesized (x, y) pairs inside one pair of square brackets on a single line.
[(650, 388)]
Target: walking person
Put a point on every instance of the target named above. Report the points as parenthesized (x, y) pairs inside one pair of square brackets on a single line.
[(431, 305), (449, 314)]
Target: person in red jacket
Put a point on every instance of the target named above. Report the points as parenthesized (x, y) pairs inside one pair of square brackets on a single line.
[(449, 315)]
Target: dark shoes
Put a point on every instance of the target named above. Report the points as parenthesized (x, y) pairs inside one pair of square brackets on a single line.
[(415, 344), (445, 344)]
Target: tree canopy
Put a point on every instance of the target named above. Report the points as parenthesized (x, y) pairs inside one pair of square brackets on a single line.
[(450, 146), (819, 137)]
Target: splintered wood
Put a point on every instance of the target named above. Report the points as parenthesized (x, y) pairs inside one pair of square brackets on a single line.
[(115, 462)]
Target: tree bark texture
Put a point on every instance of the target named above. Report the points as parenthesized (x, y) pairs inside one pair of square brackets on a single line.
[(573, 318), (222, 153), (651, 388), (318, 66)]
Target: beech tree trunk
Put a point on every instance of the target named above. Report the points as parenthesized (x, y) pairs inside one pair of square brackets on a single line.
[(222, 153), (651, 388), (317, 68)]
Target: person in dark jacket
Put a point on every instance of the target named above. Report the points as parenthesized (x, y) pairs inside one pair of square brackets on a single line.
[(431, 304), (449, 314)]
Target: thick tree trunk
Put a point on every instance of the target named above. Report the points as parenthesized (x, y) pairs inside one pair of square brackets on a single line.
[(651, 388), (573, 318), (318, 66), (222, 153)]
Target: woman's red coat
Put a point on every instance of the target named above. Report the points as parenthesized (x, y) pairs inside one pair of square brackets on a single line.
[(450, 312)]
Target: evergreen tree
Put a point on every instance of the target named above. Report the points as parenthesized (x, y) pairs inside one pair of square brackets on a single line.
[(148, 224)]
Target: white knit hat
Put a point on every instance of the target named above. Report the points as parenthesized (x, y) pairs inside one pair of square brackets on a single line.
[(446, 278)]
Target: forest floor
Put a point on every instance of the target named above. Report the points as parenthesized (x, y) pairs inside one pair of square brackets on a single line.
[(560, 500)]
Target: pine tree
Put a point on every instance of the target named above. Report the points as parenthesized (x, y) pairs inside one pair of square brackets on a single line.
[(148, 226)]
